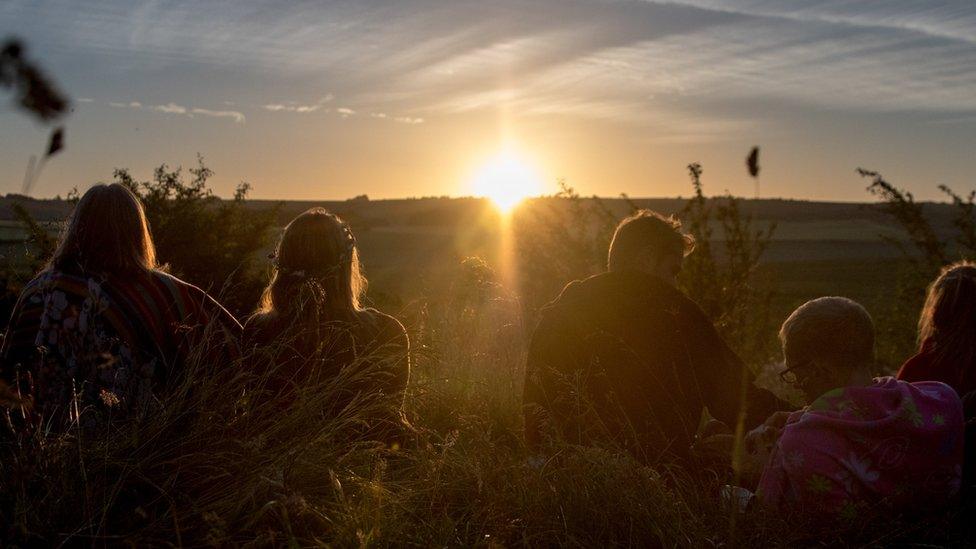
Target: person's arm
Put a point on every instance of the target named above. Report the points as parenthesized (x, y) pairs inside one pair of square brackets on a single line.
[(19, 346), (18, 350), (774, 480), (552, 360), (723, 375), (394, 344)]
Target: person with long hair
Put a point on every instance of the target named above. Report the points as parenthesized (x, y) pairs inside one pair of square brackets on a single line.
[(311, 329), (102, 330), (947, 331)]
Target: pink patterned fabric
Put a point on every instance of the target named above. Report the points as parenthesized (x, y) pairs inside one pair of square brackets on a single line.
[(892, 443)]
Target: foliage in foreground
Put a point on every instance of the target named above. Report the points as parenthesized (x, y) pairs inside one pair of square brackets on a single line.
[(212, 242), (221, 465), (224, 464)]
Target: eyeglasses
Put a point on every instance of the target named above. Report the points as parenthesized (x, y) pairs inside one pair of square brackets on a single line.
[(789, 375)]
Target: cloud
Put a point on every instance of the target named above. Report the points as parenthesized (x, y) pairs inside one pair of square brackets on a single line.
[(635, 62), (237, 116), (169, 108), (85, 100), (173, 108), (291, 106), (409, 120)]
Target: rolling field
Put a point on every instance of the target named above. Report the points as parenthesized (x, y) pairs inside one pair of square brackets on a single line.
[(467, 480), (409, 248)]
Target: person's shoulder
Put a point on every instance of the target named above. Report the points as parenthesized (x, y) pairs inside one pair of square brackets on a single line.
[(934, 394), (166, 279), (580, 290), (49, 279), (385, 323), (260, 327), (192, 298), (257, 321), (39, 281), (181, 288), (31, 292)]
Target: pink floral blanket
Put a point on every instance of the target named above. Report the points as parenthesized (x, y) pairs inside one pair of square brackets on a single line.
[(892, 443)]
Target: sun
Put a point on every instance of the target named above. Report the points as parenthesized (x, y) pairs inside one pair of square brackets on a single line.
[(506, 179)]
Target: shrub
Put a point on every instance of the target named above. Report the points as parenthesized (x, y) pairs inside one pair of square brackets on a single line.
[(207, 241), (924, 251)]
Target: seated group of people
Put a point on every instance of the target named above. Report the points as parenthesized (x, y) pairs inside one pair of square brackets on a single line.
[(621, 357), (625, 357), (103, 330)]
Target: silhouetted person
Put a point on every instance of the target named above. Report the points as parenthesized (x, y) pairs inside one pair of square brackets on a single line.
[(624, 357), (101, 330), (311, 328), (947, 345), (947, 331), (863, 444)]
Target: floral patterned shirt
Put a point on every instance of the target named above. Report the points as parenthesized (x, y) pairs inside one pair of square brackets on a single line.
[(83, 348), (892, 443)]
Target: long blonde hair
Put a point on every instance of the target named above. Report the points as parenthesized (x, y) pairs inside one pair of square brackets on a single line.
[(316, 266), (108, 234), (947, 325)]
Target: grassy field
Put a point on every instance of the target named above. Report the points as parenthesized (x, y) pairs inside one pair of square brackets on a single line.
[(220, 467)]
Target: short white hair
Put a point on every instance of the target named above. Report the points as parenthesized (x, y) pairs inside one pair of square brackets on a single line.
[(833, 329)]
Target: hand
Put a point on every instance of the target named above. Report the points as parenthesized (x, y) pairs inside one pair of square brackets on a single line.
[(759, 444), (713, 427), (778, 420), (714, 448)]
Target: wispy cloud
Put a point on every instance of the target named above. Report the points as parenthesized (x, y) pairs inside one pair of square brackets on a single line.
[(236, 115), (633, 62), (292, 106), (169, 108), (409, 120), (173, 108)]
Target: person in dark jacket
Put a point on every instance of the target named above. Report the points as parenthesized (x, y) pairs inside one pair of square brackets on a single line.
[(625, 358)]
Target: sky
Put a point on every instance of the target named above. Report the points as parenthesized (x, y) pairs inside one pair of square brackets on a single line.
[(407, 98)]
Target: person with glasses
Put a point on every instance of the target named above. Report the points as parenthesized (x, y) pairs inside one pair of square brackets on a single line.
[(863, 444)]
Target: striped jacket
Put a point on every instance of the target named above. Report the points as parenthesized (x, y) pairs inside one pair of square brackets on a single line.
[(79, 344)]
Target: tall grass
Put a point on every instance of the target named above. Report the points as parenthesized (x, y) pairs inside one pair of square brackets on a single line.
[(223, 461)]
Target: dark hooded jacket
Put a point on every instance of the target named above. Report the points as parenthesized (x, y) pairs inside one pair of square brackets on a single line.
[(624, 357)]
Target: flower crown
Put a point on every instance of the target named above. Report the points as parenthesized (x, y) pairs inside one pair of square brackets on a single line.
[(345, 255)]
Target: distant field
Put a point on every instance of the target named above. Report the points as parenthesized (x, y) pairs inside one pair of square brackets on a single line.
[(818, 248)]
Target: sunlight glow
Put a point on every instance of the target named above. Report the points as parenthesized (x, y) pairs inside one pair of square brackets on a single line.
[(506, 179)]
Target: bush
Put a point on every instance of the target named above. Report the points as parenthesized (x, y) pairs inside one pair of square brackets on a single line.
[(207, 241), (925, 251)]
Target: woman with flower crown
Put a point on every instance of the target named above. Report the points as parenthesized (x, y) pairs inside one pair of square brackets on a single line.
[(311, 333)]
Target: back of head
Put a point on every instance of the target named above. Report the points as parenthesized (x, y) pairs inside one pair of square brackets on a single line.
[(948, 319), (834, 331), (108, 234), (647, 233), (316, 266)]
